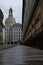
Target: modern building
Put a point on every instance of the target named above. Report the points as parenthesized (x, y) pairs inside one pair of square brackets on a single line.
[(32, 23), (1, 27)]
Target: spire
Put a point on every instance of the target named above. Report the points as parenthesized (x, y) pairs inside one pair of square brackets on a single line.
[(10, 12)]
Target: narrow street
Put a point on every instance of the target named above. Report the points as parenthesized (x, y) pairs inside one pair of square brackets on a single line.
[(21, 55)]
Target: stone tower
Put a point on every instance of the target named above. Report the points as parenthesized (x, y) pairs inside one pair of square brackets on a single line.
[(10, 20), (11, 13)]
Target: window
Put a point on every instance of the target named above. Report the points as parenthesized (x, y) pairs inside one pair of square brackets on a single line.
[(19, 29)]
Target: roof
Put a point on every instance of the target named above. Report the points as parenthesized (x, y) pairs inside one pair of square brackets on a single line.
[(17, 24)]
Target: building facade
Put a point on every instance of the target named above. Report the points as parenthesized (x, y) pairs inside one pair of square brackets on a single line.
[(13, 33), (32, 23), (4, 35), (17, 32), (1, 27), (8, 25), (13, 30)]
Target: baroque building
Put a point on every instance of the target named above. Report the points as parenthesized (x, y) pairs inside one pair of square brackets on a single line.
[(10, 20), (8, 25), (13, 30)]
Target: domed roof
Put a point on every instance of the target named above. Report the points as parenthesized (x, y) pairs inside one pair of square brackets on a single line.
[(10, 20)]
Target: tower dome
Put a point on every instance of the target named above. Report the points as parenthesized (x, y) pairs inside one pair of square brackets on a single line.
[(10, 20), (10, 12)]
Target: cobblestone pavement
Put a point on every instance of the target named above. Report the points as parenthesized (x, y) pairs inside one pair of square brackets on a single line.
[(21, 55)]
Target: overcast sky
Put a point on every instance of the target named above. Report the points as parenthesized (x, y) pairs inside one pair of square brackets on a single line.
[(16, 6)]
